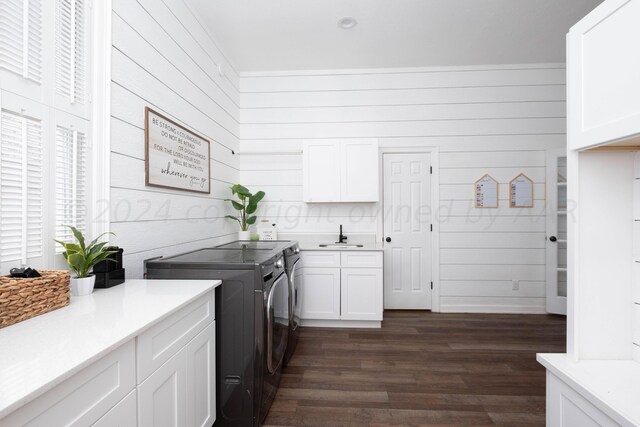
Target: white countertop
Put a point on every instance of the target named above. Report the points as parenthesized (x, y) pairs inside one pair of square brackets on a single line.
[(613, 386), (39, 353), (315, 246)]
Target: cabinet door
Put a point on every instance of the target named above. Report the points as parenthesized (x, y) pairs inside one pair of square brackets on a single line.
[(162, 396), (321, 171), (361, 294), (124, 414), (158, 343), (320, 293), (603, 68), (567, 408), (85, 397), (359, 170), (201, 378)]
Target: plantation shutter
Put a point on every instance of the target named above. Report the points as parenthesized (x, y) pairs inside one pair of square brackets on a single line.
[(21, 38), (70, 182), (21, 191), (70, 50)]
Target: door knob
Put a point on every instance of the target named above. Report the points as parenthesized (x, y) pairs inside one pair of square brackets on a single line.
[(388, 239), (553, 238)]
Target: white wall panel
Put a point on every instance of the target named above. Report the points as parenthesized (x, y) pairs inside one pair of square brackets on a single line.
[(491, 288), (493, 272), (526, 126), (163, 52), (404, 113), (464, 192), (496, 120), (164, 59), (479, 77), (490, 256), (415, 96), (494, 240)]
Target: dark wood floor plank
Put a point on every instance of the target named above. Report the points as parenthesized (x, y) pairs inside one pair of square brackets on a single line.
[(421, 369)]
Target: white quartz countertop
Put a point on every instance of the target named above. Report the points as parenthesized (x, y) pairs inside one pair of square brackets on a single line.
[(315, 246), (39, 353), (613, 386)]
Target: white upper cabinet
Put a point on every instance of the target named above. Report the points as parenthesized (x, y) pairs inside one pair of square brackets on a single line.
[(321, 171), (359, 171), (603, 69), (340, 171)]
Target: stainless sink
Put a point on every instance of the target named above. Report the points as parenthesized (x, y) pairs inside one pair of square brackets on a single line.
[(340, 245)]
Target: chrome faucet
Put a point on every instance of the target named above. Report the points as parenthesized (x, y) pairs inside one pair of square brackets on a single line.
[(341, 238)]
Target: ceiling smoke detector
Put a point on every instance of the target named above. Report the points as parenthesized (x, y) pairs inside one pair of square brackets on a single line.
[(347, 23)]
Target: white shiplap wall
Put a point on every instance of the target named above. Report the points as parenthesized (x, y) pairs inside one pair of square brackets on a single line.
[(497, 120), (163, 58)]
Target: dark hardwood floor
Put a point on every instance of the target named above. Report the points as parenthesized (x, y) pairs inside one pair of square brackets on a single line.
[(421, 369)]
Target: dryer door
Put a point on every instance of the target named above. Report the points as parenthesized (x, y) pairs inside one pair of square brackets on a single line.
[(277, 312)]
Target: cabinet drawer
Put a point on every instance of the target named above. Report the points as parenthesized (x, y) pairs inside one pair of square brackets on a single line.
[(158, 344), (361, 259), (320, 259), (124, 414), (85, 397)]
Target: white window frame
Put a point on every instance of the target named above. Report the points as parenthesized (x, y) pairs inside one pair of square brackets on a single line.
[(90, 117)]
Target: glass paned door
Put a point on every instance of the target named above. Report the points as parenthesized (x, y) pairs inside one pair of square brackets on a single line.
[(556, 238)]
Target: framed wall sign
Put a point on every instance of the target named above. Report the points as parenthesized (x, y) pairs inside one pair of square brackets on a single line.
[(521, 192), (175, 157), (486, 192)]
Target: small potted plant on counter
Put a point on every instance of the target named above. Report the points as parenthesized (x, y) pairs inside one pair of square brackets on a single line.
[(81, 259), (246, 205)]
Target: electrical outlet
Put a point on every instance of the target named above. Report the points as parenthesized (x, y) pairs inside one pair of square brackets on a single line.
[(516, 285)]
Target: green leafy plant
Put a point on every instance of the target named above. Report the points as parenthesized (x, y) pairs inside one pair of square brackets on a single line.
[(246, 205), (82, 257)]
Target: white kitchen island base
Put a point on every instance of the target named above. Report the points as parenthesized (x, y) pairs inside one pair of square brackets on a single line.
[(591, 392), (140, 353)]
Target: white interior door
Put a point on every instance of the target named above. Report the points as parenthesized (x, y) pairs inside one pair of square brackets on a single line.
[(557, 214), (407, 230)]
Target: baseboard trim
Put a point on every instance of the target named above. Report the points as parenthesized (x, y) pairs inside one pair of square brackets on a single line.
[(493, 309), (340, 323)]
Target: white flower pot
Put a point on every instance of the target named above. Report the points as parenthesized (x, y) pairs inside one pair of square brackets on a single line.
[(84, 286), (244, 235)]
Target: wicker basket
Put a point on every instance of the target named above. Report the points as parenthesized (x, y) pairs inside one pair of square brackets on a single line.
[(22, 299)]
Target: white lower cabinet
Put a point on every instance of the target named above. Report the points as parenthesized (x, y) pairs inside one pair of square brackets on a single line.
[(162, 397), (337, 287), (181, 392), (124, 414), (201, 378), (320, 293), (361, 294), (85, 397), (567, 408), (174, 386)]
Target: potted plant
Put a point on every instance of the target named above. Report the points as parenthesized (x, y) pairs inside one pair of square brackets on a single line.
[(246, 205), (81, 259)]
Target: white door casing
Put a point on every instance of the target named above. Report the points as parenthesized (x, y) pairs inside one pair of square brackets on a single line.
[(407, 222), (558, 213)]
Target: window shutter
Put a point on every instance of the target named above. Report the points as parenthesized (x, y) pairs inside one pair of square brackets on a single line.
[(21, 192), (21, 37), (71, 191), (70, 50)]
